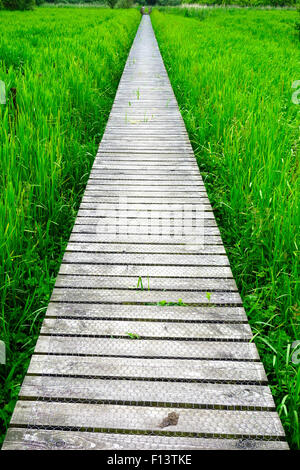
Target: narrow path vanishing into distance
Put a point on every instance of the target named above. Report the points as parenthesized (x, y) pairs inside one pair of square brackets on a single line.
[(145, 343)]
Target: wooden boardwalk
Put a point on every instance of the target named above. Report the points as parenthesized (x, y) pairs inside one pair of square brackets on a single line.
[(145, 344)]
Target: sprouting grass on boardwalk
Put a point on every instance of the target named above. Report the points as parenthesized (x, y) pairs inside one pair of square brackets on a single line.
[(232, 73), (61, 69)]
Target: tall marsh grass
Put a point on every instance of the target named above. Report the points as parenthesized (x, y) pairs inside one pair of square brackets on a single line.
[(61, 68), (232, 72)]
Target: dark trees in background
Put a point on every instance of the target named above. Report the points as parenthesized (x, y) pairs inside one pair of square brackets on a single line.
[(111, 3), (18, 4)]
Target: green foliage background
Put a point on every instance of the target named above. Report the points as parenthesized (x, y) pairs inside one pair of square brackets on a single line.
[(61, 68), (232, 73)]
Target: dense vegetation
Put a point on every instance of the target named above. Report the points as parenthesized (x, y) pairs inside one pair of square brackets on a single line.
[(232, 72), (61, 69)]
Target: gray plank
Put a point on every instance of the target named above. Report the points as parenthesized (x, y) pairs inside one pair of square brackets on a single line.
[(201, 355), (172, 216), (127, 164), (140, 239), (174, 174), (143, 161), (178, 226), (138, 184), (155, 283), (174, 369), (141, 296), (144, 271), (226, 350), (143, 178), (139, 201), (143, 259), (181, 226), (145, 248), (163, 194), (133, 205), (143, 227), (158, 156)]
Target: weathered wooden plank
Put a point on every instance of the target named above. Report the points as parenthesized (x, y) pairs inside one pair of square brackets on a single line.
[(128, 126), (149, 138), (150, 230), (155, 122), (141, 296), (125, 101), (180, 226), (146, 113), (144, 110), (155, 169), (164, 189), (130, 164), (147, 392), (138, 193), (148, 153), (143, 160), (145, 183), (129, 112), (144, 248), (142, 180), (38, 439), (123, 146), (155, 283), (113, 190), (138, 202), (148, 135), (174, 167), (140, 239), (152, 104), (164, 174), (226, 350), (148, 141), (160, 158), (144, 329), (154, 312), (191, 421), (173, 369), (136, 271), (181, 214), (144, 259), (127, 164), (120, 204), (122, 103), (157, 119), (131, 173)]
